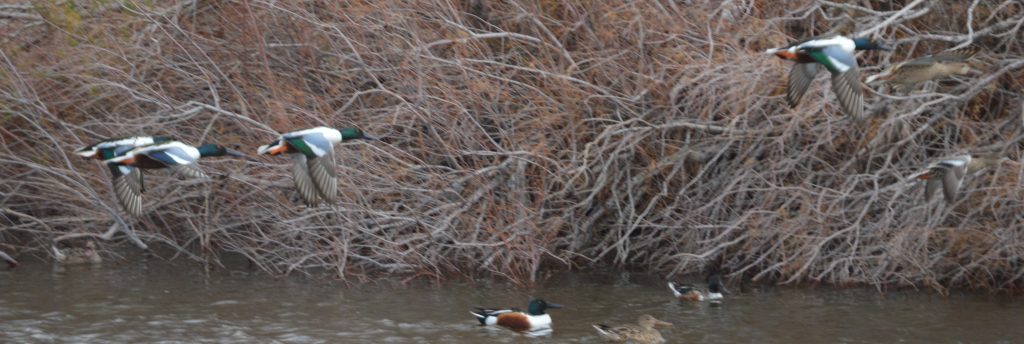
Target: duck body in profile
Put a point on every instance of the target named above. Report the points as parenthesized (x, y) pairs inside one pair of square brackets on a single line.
[(126, 180), (689, 292), (949, 174), (312, 151), (535, 318), (174, 155), (905, 76), (836, 54), (77, 255), (643, 332)]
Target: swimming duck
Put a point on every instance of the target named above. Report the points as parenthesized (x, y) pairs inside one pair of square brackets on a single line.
[(688, 292), (127, 180), (949, 174), (904, 76), (836, 54), (534, 319), (312, 150), (77, 255), (174, 155), (644, 332)]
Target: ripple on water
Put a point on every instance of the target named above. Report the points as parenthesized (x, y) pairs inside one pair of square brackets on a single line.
[(130, 306), (297, 338), (225, 303)]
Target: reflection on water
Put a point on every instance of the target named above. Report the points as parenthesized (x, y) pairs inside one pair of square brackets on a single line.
[(156, 302)]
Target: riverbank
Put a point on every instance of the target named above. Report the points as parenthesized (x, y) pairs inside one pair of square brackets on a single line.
[(520, 138)]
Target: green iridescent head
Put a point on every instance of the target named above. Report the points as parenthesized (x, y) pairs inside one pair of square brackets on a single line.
[(538, 306), (869, 43), (351, 133)]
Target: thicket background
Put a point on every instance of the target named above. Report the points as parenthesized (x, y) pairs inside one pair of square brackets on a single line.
[(522, 137)]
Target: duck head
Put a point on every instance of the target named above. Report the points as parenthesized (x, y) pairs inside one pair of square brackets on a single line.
[(870, 43), (538, 306), (352, 133), (715, 284)]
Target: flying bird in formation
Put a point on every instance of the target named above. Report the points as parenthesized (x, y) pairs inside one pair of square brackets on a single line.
[(905, 75), (836, 54), (125, 157), (949, 174), (314, 169)]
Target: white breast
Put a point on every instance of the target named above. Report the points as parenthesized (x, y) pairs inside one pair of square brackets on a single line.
[(540, 321)]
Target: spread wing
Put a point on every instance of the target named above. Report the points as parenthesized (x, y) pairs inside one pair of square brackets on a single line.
[(300, 173), (847, 88), (127, 183), (932, 186), (951, 183), (322, 168), (800, 77), (189, 171), (324, 172), (845, 78)]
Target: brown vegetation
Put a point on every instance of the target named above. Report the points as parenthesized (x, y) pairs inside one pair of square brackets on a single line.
[(522, 136)]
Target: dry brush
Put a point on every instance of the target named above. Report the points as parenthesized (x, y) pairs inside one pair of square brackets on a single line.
[(522, 137)]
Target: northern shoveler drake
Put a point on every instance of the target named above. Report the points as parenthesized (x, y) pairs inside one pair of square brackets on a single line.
[(111, 148), (836, 54), (173, 155), (533, 319), (904, 76), (644, 332), (77, 255), (124, 178), (312, 150), (949, 174), (688, 292)]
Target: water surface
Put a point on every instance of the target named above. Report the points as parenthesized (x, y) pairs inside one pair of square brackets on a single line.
[(156, 302)]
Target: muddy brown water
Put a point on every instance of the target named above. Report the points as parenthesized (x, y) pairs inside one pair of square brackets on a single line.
[(157, 302)]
